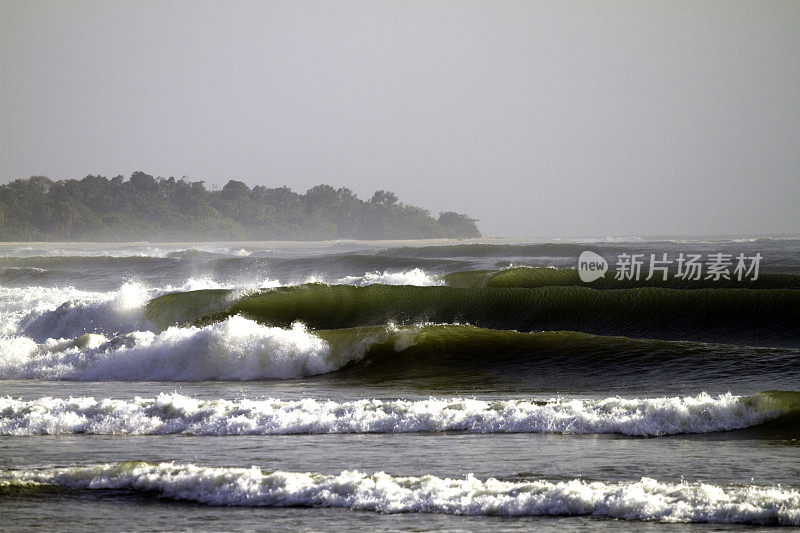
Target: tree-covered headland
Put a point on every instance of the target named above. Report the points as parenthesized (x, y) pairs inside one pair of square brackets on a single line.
[(144, 208)]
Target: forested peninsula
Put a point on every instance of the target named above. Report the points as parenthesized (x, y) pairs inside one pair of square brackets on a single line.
[(145, 208)]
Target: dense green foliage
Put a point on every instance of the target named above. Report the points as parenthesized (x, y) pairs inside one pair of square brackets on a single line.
[(145, 208)]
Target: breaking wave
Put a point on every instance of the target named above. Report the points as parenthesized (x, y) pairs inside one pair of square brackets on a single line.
[(436, 354), (43, 313), (415, 276), (178, 414), (234, 349), (745, 316), (646, 499)]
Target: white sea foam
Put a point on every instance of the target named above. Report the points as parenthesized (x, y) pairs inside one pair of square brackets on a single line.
[(39, 326), (21, 305), (415, 276), (43, 313), (235, 348), (175, 413), (58, 312), (90, 312), (646, 499)]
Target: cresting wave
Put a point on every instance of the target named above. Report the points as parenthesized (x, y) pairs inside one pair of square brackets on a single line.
[(41, 313), (763, 317), (92, 272), (646, 499), (233, 349), (178, 414), (242, 349)]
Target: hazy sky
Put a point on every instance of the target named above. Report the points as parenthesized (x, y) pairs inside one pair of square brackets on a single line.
[(549, 119)]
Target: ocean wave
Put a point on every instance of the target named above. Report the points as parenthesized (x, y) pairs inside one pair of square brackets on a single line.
[(20, 306), (335, 268), (26, 275), (534, 277), (646, 499), (717, 315), (43, 313), (91, 312), (230, 271), (233, 349), (415, 276), (178, 414), (438, 354)]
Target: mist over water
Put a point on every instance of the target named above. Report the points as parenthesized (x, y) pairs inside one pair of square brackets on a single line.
[(538, 119)]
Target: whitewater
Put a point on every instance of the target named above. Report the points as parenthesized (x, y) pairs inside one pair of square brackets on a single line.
[(448, 385), (646, 499), (172, 413)]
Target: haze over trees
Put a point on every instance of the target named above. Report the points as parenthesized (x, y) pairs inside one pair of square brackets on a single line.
[(145, 208)]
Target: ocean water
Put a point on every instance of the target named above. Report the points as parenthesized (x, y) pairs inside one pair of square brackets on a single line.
[(454, 386)]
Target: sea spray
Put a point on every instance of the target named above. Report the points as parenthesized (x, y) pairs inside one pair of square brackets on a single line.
[(235, 348)]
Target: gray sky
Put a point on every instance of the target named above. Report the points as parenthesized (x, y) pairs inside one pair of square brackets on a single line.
[(549, 119)]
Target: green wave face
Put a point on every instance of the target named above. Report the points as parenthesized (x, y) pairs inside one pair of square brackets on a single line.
[(521, 277), (469, 279), (785, 402), (394, 349), (531, 277), (454, 357), (786, 406), (186, 307), (716, 315), (450, 355)]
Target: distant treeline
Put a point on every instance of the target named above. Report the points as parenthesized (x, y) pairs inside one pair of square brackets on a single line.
[(96, 208)]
